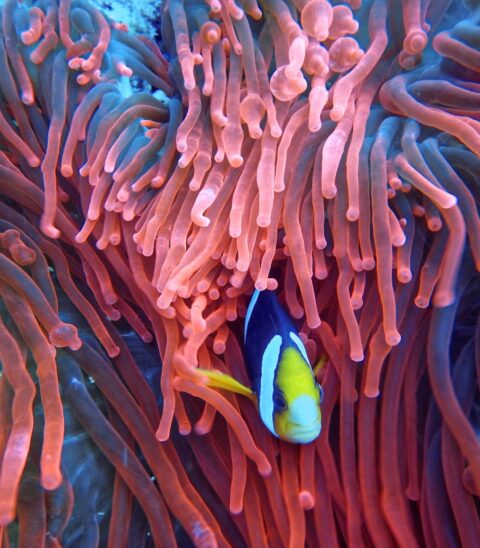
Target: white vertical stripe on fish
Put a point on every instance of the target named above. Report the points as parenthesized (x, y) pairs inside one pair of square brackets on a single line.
[(250, 308), (299, 343), (267, 381)]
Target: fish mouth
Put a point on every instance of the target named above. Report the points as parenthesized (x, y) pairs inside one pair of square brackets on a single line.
[(300, 434)]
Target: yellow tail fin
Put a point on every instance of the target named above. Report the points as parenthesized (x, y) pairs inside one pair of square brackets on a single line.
[(217, 379)]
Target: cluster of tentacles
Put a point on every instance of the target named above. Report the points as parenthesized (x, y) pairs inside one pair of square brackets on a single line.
[(329, 152)]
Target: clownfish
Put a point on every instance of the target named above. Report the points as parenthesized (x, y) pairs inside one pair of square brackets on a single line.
[(288, 395), (282, 378)]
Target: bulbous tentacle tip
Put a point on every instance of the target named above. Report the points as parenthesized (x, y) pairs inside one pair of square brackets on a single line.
[(65, 334), (49, 229)]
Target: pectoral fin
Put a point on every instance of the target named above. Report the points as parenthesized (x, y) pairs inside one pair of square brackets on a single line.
[(319, 365)]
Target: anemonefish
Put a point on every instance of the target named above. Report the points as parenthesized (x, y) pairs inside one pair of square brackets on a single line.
[(288, 395), (282, 378)]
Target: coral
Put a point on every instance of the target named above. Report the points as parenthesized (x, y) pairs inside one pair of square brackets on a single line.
[(330, 152)]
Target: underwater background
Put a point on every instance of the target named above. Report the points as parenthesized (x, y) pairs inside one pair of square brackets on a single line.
[(159, 161)]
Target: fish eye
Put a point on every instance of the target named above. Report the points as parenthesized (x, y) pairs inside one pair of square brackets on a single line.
[(279, 401)]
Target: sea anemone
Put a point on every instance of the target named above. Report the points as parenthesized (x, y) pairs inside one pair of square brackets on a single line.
[(329, 152)]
